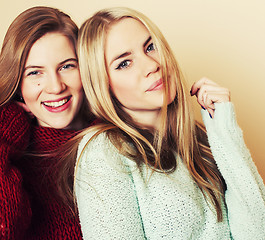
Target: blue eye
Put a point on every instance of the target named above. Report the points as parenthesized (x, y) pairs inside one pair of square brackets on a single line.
[(150, 47), (33, 73), (123, 64), (67, 66)]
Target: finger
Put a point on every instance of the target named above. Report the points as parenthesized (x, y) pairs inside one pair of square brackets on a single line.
[(204, 90), (213, 90), (197, 85), (216, 97), (208, 89), (209, 104), (207, 101), (211, 98), (211, 112)]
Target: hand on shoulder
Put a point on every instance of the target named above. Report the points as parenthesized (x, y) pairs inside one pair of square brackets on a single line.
[(208, 93)]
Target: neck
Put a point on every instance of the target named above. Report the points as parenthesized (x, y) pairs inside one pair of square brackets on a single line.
[(149, 119)]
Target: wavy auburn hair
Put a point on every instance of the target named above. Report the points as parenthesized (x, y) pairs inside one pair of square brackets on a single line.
[(177, 133)]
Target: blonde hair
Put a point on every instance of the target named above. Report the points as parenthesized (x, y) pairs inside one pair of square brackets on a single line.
[(23, 32), (178, 133)]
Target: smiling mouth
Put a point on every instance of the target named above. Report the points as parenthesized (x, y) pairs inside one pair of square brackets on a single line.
[(56, 104)]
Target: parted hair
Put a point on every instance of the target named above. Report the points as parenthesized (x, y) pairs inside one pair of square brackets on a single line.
[(178, 133)]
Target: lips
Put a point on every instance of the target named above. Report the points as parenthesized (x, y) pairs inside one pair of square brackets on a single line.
[(157, 85), (58, 105)]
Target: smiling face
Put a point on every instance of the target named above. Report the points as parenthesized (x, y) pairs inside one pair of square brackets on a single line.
[(134, 70), (51, 84)]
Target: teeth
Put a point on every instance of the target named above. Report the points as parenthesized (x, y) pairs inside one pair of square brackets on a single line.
[(55, 104)]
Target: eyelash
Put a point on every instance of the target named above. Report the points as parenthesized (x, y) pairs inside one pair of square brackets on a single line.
[(67, 66), (149, 46), (33, 73), (122, 66)]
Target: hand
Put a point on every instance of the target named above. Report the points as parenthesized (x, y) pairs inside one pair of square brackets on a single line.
[(208, 93)]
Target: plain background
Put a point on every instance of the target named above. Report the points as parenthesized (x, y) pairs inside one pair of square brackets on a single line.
[(223, 40)]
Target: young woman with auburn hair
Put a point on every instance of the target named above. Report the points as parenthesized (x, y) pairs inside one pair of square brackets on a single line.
[(147, 171), (38, 68)]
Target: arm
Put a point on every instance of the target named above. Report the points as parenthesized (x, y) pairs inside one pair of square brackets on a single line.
[(106, 200), (14, 203), (245, 194)]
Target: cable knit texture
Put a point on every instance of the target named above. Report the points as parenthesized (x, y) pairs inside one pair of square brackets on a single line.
[(27, 211), (118, 200)]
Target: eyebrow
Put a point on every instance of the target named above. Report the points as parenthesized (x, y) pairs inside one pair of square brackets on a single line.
[(147, 41), (61, 63), (128, 53)]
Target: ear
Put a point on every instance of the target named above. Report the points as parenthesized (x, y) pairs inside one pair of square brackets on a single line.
[(26, 108)]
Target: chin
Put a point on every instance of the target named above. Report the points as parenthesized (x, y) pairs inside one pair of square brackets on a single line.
[(60, 125)]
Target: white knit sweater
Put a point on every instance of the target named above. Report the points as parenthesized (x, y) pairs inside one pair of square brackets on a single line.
[(116, 200)]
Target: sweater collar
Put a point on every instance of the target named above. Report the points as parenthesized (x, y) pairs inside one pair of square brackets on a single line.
[(45, 138)]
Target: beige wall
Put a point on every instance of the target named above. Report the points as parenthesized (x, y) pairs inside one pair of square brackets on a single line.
[(223, 40)]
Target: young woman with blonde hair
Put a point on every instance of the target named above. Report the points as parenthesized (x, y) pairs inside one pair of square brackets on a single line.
[(39, 68), (148, 172)]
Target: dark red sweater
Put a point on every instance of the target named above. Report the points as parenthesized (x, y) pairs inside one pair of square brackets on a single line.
[(29, 211), (15, 210), (50, 218)]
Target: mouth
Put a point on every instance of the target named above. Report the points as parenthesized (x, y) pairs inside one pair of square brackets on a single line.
[(58, 105), (157, 85)]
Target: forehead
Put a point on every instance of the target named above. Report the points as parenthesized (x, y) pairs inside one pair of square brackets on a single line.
[(124, 35), (51, 46)]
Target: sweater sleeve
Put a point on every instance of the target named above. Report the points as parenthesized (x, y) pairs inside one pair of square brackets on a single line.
[(15, 211), (106, 199), (245, 194)]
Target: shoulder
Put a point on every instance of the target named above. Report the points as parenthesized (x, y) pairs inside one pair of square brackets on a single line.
[(12, 110), (93, 142), (96, 150), (14, 125)]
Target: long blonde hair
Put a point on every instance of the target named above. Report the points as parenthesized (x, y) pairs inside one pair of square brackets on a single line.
[(178, 132)]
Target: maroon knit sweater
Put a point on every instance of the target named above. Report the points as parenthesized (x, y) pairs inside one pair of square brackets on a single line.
[(50, 218), (29, 210), (15, 211)]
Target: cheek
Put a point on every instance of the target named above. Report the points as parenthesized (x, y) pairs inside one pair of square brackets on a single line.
[(29, 92), (75, 82), (121, 91), (77, 88), (123, 85)]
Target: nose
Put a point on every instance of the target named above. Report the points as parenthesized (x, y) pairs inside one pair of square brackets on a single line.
[(54, 84), (150, 65)]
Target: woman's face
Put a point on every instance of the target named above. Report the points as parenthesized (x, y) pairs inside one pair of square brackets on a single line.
[(134, 70), (51, 84)]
